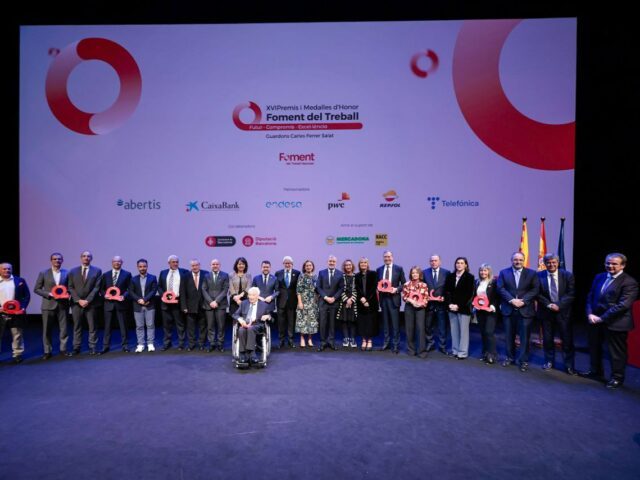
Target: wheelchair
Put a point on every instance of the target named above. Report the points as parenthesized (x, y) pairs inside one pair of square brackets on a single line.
[(263, 347)]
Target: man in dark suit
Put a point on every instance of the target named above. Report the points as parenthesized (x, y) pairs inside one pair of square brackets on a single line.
[(84, 288), (250, 316), (192, 304), (518, 288), (390, 301), (13, 288), (330, 286), (215, 293), (268, 286), (53, 309), (434, 277), (555, 300), (115, 305), (170, 280), (609, 314), (142, 292), (287, 301)]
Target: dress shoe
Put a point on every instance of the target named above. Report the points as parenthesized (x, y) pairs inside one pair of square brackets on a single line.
[(524, 366), (570, 371), (431, 348), (395, 350), (291, 344), (46, 356), (598, 376), (92, 351), (180, 348), (221, 349), (242, 358), (126, 349), (151, 347), (506, 362), (210, 349), (17, 359), (104, 350), (442, 350), (547, 366), (165, 348), (332, 346), (201, 348), (321, 348), (490, 361), (460, 358), (386, 346), (189, 349), (281, 344), (254, 359), (140, 349), (614, 383)]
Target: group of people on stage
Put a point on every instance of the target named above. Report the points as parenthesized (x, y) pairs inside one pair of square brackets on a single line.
[(195, 302)]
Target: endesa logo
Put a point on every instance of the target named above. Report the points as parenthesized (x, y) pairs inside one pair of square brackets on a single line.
[(220, 241), (390, 197), (340, 203), (67, 60), (283, 204), (139, 205)]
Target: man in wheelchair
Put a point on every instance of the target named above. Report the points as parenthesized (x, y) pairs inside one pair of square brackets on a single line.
[(251, 318)]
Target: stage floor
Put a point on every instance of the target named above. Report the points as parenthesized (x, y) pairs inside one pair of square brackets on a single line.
[(344, 414)]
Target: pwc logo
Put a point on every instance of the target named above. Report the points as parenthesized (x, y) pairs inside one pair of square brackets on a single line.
[(340, 203), (67, 60)]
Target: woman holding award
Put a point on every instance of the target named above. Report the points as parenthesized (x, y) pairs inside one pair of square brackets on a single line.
[(458, 295), (415, 294), (485, 304), (239, 284)]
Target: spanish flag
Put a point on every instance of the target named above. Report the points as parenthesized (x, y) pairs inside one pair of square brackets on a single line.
[(524, 242), (542, 248)]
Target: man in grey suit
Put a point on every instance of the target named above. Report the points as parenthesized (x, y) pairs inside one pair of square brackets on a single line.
[(118, 307), (518, 288), (84, 286), (52, 308), (434, 277), (215, 291), (330, 286)]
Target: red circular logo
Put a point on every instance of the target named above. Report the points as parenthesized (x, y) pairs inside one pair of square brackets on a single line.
[(69, 58), (247, 240), (256, 112), (419, 72)]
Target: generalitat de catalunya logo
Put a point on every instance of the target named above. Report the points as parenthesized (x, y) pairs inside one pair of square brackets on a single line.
[(67, 60), (220, 241)]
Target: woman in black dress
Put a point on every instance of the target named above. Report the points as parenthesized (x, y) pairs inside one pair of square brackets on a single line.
[(367, 321), (348, 308)]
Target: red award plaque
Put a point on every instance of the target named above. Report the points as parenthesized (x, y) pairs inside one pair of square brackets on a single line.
[(169, 297), (435, 299), (12, 307), (59, 292), (113, 293), (481, 302), (385, 286), (418, 298)]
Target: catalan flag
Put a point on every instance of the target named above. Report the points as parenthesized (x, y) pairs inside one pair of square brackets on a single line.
[(524, 242), (561, 243), (542, 247)]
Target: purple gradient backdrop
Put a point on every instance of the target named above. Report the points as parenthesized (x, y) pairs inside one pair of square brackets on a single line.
[(180, 145)]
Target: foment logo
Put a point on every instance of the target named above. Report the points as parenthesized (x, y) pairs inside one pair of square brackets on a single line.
[(67, 60)]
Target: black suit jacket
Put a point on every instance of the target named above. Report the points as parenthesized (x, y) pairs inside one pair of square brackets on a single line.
[(435, 289), (397, 281), (287, 297), (162, 283), (150, 290), (461, 294), (527, 291), (613, 305), (43, 286), (371, 293), (492, 292), (124, 279), (566, 294), (333, 289), (217, 291), (22, 295), (191, 298), (87, 290)]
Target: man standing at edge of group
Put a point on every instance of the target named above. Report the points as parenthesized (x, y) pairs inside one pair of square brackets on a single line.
[(13, 287)]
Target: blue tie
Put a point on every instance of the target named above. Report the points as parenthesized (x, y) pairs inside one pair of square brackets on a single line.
[(553, 289), (286, 278)]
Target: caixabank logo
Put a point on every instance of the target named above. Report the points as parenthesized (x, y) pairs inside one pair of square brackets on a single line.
[(209, 206), (67, 60), (138, 204), (297, 117)]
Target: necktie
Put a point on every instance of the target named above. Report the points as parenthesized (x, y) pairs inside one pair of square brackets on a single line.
[(251, 313), (553, 288), (215, 277), (287, 279), (114, 280), (84, 274), (170, 281), (330, 276), (435, 277), (265, 280), (387, 275), (517, 277), (606, 283)]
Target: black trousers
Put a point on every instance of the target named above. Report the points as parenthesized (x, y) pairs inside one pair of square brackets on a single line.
[(247, 337), (108, 317), (78, 313), (617, 343), (553, 322), (286, 323), (517, 323), (196, 321), (414, 323), (487, 323), (172, 315), (328, 323), (49, 317), (215, 326)]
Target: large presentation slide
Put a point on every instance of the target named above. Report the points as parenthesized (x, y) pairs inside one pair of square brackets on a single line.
[(265, 140)]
